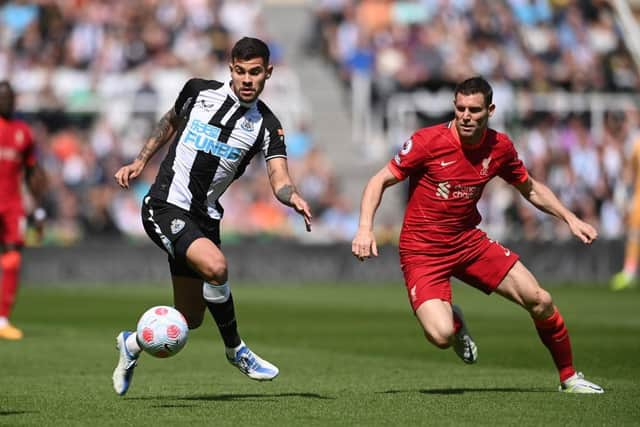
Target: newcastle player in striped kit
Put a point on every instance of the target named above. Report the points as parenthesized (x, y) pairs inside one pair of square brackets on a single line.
[(215, 129)]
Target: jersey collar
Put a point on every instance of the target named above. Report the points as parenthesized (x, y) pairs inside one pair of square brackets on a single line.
[(456, 137)]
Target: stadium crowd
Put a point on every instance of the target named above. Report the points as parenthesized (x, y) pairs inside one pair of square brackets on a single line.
[(92, 77), (523, 47), (539, 45)]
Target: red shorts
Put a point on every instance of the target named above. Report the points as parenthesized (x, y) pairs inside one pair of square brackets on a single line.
[(469, 256), (13, 225)]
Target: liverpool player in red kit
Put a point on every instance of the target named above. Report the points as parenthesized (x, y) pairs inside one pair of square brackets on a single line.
[(17, 157), (448, 166)]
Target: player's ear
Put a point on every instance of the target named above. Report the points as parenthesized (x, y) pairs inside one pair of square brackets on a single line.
[(269, 71)]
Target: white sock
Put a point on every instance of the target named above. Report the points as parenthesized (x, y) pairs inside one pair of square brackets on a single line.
[(3, 321), (132, 345), (216, 294), (233, 351)]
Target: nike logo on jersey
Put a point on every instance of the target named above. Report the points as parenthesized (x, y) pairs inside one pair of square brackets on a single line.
[(445, 164)]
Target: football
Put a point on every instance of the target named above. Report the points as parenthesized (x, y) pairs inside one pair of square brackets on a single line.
[(162, 331)]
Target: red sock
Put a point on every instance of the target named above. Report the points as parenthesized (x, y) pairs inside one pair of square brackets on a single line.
[(10, 262), (457, 323), (555, 337)]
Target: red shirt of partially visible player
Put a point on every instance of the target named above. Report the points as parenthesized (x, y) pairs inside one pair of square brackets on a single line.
[(446, 180), (16, 154)]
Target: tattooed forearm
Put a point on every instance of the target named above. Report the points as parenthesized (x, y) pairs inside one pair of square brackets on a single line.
[(159, 136), (285, 192), (148, 150), (164, 128)]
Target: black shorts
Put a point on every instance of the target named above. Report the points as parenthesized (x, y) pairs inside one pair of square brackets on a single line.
[(174, 229)]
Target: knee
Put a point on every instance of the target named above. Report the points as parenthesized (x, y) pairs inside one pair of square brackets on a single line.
[(541, 305), (441, 339), (214, 271)]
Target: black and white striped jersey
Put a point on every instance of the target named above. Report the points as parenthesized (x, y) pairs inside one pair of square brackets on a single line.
[(215, 141)]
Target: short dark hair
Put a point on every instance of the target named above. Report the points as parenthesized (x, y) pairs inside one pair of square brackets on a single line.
[(475, 85), (248, 48)]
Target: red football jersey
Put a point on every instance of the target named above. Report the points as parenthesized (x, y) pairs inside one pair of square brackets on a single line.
[(446, 180), (16, 153)]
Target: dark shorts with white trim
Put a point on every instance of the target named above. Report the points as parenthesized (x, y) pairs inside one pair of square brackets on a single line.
[(173, 229)]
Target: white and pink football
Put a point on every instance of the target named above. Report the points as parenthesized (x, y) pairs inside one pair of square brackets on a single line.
[(162, 331)]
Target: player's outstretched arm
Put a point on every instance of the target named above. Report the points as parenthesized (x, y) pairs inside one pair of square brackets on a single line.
[(161, 134), (285, 191), (36, 180), (37, 183), (544, 199), (364, 244)]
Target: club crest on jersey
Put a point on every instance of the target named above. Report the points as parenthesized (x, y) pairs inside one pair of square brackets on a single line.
[(247, 125), (485, 166), (176, 225)]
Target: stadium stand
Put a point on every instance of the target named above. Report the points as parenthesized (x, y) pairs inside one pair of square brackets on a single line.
[(93, 76), (565, 80)]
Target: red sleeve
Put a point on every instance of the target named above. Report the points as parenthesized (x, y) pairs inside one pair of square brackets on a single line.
[(410, 158), (513, 170)]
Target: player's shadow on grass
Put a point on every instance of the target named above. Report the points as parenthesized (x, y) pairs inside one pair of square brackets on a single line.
[(232, 397), (4, 413), (228, 397), (451, 391)]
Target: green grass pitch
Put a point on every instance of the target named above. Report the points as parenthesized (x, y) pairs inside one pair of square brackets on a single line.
[(348, 354)]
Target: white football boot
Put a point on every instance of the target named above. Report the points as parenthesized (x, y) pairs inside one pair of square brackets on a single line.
[(251, 364), (127, 362), (577, 384)]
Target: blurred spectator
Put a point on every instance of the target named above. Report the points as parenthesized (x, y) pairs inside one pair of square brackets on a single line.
[(537, 44), (525, 47), (91, 77)]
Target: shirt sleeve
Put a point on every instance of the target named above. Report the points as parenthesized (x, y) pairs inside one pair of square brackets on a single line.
[(410, 158), (187, 95), (513, 170), (273, 144)]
